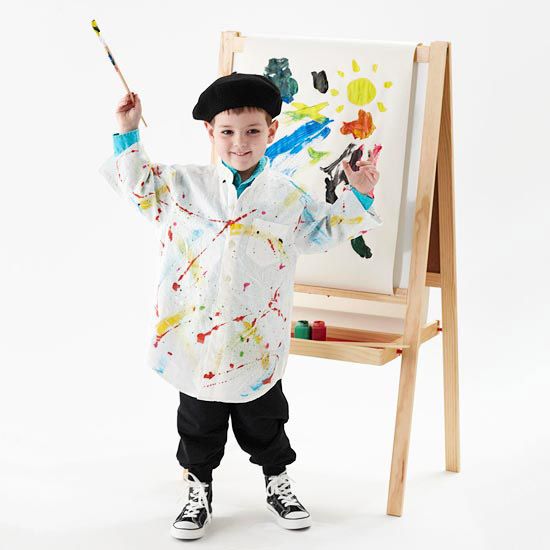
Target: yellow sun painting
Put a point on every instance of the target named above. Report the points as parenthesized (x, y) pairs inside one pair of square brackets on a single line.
[(360, 91)]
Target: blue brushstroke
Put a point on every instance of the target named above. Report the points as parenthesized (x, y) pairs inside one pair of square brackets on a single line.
[(295, 142), (161, 365), (196, 234)]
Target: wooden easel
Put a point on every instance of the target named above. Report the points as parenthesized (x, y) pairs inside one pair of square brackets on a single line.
[(433, 264)]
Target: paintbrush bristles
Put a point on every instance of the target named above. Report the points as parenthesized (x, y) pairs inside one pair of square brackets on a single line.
[(95, 27)]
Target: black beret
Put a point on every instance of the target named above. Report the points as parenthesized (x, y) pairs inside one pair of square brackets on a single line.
[(238, 90)]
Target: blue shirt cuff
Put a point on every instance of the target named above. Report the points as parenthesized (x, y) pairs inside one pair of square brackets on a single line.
[(366, 201), (123, 141)]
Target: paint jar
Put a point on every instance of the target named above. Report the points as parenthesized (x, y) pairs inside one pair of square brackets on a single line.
[(318, 330), (302, 330)]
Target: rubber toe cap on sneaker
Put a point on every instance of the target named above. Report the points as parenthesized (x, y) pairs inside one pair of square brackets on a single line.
[(297, 515), (185, 525)]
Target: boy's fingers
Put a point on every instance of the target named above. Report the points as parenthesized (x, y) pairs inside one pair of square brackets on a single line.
[(347, 169)]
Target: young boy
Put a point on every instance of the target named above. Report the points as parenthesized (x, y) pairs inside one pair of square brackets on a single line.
[(230, 237)]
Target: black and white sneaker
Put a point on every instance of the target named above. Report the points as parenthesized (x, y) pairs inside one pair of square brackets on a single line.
[(284, 505), (197, 513)]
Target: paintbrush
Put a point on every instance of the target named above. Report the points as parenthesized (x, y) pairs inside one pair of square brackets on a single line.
[(112, 59)]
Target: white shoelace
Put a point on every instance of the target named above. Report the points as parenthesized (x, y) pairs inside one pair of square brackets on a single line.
[(197, 499), (280, 486)]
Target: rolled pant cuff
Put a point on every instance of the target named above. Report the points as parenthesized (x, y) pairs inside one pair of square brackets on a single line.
[(273, 470), (204, 474)]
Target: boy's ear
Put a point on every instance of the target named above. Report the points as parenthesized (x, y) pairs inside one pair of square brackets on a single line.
[(210, 130), (272, 130)]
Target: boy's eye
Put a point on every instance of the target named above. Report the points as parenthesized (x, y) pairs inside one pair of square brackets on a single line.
[(228, 132)]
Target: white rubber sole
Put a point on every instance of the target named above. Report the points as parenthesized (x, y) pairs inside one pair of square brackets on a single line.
[(298, 523), (189, 534)]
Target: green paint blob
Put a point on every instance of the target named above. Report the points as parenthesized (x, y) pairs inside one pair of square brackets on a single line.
[(360, 246)]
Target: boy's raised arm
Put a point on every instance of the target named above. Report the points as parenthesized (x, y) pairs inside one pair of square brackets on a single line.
[(130, 172), (323, 226)]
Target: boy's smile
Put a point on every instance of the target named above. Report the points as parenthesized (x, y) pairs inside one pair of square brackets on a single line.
[(241, 139)]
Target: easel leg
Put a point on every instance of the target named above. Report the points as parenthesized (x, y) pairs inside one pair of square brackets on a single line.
[(445, 188), (417, 276), (402, 435), (450, 385)]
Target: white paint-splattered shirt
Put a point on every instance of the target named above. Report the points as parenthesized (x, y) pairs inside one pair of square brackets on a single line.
[(222, 322)]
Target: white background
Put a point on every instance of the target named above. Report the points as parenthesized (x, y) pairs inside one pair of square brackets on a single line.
[(88, 433)]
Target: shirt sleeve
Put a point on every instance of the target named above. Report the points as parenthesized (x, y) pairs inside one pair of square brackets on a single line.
[(365, 200), (148, 186), (323, 226), (123, 141)]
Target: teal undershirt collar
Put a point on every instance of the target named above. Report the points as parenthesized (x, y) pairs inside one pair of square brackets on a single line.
[(242, 185)]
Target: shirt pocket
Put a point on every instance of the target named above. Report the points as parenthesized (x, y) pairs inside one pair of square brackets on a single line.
[(268, 242)]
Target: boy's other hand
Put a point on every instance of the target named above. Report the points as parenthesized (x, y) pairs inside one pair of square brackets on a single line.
[(128, 113), (365, 178)]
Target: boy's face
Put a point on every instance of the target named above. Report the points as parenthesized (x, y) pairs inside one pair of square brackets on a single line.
[(241, 139)]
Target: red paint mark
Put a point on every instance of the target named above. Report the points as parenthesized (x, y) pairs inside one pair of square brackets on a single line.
[(263, 212), (202, 335), (159, 337), (170, 233), (227, 224), (267, 345), (376, 153), (282, 266), (169, 353), (209, 375), (156, 170), (231, 365), (245, 286), (175, 286), (267, 380)]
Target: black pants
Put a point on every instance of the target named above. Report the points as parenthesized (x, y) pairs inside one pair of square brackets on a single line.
[(258, 426)]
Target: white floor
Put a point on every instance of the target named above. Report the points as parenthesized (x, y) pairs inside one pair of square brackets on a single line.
[(95, 467)]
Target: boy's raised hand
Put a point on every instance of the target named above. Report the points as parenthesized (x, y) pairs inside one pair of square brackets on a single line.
[(128, 113), (365, 178)]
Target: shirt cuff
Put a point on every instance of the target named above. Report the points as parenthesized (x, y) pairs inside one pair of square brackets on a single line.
[(123, 141), (365, 200)]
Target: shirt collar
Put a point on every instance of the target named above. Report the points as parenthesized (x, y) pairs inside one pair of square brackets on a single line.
[(237, 177)]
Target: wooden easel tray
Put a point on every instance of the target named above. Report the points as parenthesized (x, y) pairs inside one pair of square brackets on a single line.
[(348, 344)]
